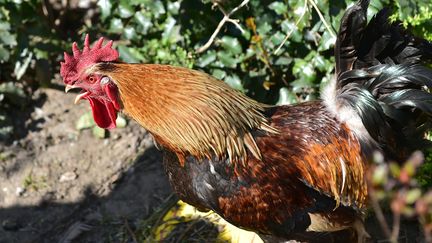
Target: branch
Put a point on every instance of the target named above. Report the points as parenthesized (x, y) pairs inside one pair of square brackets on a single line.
[(396, 227), (378, 212), (225, 19), (312, 2), (322, 18), (292, 30), (130, 231)]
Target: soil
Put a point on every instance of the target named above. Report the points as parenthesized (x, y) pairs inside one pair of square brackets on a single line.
[(58, 184)]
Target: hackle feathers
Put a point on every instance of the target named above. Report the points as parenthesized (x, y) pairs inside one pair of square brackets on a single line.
[(188, 111)]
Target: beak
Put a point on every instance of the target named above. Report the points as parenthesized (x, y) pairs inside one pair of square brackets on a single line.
[(69, 87), (80, 97)]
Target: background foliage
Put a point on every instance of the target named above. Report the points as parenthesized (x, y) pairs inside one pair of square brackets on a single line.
[(34, 33)]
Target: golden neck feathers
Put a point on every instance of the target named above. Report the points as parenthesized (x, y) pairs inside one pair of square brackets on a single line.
[(187, 111)]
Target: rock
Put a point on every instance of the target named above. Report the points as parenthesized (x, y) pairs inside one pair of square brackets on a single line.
[(10, 225), (68, 176), (20, 191)]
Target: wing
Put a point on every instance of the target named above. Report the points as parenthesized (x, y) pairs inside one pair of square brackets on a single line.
[(314, 165)]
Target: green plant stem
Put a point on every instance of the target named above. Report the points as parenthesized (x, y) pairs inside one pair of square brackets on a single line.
[(379, 213), (396, 227)]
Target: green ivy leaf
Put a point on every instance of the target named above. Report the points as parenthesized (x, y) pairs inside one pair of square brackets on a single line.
[(231, 44), (235, 82), (264, 28), (125, 9), (286, 97), (174, 7), (327, 41), (8, 39), (277, 38), (219, 73), (99, 132), (279, 7), (22, 65), (105, 6), (85, 121), (4, 54), (283, 61), (130, 55), (227, 60), (144, 22), (412, 195), (171, 32), (116, 25), (156, 7), (288, 26), (206, 59), (130, 33), (305, 72)]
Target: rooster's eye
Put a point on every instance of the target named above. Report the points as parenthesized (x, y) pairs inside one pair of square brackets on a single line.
[(91, 79)]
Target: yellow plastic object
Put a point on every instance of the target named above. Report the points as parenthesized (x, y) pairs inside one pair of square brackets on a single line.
[(183, 211)]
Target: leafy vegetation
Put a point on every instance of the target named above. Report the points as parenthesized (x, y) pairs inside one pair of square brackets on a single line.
[(395, 187)]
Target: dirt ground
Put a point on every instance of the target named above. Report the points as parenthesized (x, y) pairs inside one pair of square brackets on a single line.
[(59, 184)]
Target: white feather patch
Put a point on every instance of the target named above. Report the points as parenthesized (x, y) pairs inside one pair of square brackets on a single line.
[(344, 113)]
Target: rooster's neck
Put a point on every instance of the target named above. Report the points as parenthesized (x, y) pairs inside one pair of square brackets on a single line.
[(189, 112)]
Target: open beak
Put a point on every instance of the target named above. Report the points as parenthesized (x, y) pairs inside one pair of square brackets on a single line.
[(78, 97), (69, 87)]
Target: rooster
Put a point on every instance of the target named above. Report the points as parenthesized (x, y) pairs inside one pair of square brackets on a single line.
[(292, 171)]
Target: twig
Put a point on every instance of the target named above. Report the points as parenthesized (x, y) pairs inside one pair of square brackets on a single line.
[(379, 213), (292, 30), (131, 233), (236, 23), (189, 227), (396, 227), (225, 19), (322, 18), (426, 228)]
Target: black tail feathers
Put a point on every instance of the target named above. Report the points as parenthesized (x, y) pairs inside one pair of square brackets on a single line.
[(362, 45), (381, 75)]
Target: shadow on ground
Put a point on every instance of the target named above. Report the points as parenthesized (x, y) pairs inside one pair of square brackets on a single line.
[(58, 183), (135, 194)]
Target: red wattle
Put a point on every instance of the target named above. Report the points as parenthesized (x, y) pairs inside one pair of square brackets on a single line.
[(112, 93), (104, 113)]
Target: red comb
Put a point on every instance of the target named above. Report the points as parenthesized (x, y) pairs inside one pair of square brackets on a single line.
[(71, 67)]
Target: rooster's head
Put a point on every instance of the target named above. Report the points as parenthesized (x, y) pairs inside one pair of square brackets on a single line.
[(78, 71)]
